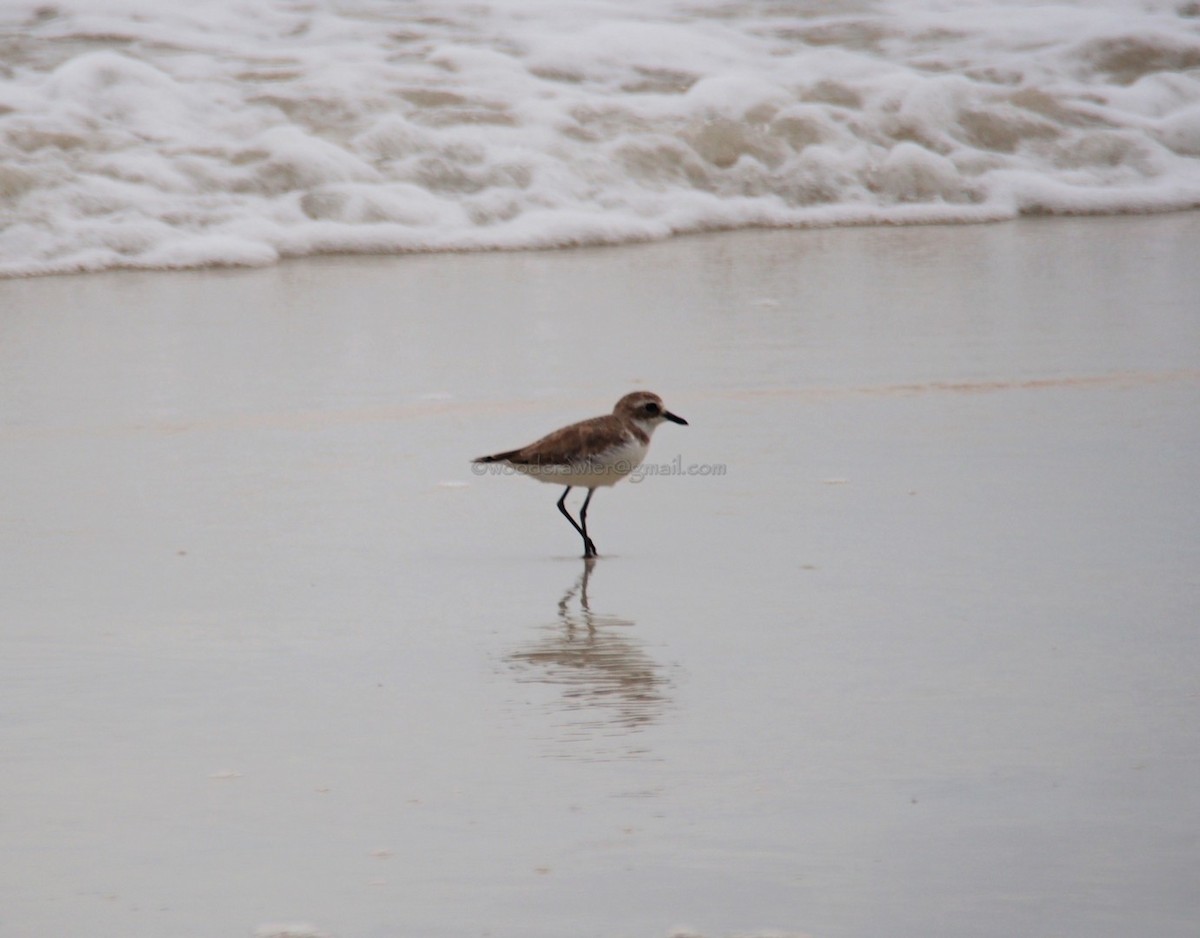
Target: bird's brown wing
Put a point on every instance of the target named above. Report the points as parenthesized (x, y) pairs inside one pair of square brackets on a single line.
[(576, 442)]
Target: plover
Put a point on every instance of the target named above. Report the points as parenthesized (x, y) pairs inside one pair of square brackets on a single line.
[(591, 453)]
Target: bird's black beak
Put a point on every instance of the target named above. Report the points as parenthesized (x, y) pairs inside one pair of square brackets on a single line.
[(674, 418)]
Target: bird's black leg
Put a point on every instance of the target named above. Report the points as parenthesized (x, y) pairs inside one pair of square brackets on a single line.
[(589, 549)]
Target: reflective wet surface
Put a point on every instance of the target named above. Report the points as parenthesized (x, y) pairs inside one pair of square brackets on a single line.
[(610, 688), (921, 661)]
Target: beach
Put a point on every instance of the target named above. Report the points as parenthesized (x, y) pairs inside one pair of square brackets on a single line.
[(898, 640)]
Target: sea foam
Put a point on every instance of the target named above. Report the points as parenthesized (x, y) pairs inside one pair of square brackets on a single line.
[(135, 133)]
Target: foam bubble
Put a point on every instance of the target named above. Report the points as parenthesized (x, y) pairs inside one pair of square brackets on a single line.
[(289, 930), (1180, 132)]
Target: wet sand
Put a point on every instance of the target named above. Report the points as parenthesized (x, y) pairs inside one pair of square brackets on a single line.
[(911, 651)]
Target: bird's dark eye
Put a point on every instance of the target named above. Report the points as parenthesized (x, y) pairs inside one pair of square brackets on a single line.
[(651, 408)]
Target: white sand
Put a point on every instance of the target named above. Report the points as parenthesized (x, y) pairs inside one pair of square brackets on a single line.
[(922, 662)]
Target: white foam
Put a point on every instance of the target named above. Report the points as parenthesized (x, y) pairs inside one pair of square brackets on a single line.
[(141, 134)]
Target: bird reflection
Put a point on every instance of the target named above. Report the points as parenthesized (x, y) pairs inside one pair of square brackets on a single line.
[(609, 686)]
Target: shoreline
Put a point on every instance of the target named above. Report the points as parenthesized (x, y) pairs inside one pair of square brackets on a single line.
[(867, 222)]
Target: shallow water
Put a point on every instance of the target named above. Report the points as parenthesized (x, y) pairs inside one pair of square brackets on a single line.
[(921, 662)]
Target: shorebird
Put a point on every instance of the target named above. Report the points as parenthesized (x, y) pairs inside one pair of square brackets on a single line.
[(591, 453)]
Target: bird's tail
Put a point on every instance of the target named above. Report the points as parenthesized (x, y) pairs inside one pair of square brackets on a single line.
[(496, 457)]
